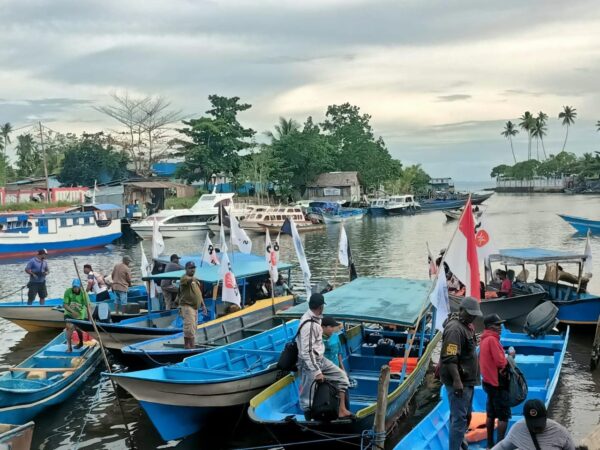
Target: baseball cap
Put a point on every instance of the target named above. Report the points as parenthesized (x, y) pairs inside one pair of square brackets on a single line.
[(127, 259), (329, 322), (471, 305), (535, 413), (42, 251), (316, 300), (190, 265), (174, 256), (492, 319), (76, 283)]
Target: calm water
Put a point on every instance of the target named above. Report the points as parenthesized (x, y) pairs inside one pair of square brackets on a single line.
[(383, 247)]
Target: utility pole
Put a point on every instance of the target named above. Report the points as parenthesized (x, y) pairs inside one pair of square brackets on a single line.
[(45, 164)]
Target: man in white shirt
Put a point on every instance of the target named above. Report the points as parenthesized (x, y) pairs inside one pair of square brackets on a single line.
[(96, 284)]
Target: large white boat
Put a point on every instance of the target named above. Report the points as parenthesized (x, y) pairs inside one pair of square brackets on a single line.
[(272, 218), (401, 205), (191, 222)]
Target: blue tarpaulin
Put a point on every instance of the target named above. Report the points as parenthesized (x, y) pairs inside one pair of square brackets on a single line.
[(535, 255)]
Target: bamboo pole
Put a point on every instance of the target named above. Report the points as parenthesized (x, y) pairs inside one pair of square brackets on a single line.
[(381, 408)]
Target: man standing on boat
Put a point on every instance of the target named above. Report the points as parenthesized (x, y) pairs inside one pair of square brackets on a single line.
[(190, 298), (75, 306), (121, 280), (37, 269), (492, 362), (96, 284), (460, 368), (166, 286), (312, 364)]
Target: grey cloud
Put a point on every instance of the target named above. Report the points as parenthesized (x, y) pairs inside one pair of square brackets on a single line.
[(453, 97), (511, 92)]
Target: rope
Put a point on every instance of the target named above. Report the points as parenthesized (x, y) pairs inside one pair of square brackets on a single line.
[(20, 289)]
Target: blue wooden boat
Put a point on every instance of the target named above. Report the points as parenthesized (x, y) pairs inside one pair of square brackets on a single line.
[(377, 207), (48, 377), (180, 399), (247, 269), (50, 316), (16, 437), (233, 327), (575, 305), (581, 224), (539, 359), (393, 301)]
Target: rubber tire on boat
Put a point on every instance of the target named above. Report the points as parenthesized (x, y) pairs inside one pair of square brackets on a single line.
[(541, 319)]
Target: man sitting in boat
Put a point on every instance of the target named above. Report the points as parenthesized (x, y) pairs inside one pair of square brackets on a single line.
[(312, 364), (190, 298), (75, 306), (281, 288), (555, 273), (96, 284), (37, 269), (506, 288)]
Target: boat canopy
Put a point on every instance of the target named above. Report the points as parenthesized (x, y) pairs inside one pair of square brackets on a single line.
[(104, 206), (243, 265), (395, 301), (534, 255)]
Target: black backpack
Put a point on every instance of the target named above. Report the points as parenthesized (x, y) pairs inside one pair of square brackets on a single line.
[(325, 401), (289, 356), (517, 385)]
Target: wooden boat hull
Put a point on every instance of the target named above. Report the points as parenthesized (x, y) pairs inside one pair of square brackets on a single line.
[(581, 224), (16, 437)]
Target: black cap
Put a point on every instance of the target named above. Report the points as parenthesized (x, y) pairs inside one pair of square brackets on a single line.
[(471, 305), (316, 300), (42, 251), (329, 322), (174, 256), (535, 413), (492, 319), (190, 265)]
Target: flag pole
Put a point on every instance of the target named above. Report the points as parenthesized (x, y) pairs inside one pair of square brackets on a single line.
[(337, 258)]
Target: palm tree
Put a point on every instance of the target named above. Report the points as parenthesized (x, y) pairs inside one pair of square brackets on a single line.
[(5, 131), (568, 115), (539, 131), (508, 132), (527, 123), (285, 127), (598, 126), (543, 117)]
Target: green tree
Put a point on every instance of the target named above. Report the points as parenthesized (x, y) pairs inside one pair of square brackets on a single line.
[(5, 131), (413, 180), (564, 163), (527, 123), (214, 141), (508, 132), (538, 132), (283, 128), (598, 126), (29, 158), (525, 170), (568, 115), (264, 167), (502, 170), (542, 117), (91, 158)]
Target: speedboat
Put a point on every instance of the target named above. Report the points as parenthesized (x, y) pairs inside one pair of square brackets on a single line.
[(402, 205), (581, 224), (191, 222)]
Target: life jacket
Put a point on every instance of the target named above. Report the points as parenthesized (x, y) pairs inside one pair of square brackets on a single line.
[(477, 430), (397, 363)]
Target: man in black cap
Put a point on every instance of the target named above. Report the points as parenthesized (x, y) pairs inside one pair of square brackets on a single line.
[(166, 286), (312, 363), (190, 298), (536, 431), (460, 368), (492, 363)]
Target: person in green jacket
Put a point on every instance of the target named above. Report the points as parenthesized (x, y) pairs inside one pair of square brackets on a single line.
[(75, 306)]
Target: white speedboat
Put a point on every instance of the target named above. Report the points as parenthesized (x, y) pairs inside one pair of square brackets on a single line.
[(401, 205), (191, 222)]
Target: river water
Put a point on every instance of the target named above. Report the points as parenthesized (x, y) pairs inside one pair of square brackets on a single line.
[(392, 246)]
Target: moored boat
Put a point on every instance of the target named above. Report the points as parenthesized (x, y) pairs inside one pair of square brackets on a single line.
[(273, 217), (377, 207), (89, 226), (540, 359), (181, 399), (16, 437), (402, 205), (343, 215), (403, 304), (581, 224), (48, 377), (454, 214)]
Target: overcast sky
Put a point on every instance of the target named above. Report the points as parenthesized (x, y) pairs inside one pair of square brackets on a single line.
[(439, 78)]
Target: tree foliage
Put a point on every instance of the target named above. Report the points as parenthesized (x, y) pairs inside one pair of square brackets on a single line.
[(559, 165), (29, 158), (413, 180)]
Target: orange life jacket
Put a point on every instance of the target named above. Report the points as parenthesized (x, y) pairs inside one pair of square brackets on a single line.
[(477, 429)]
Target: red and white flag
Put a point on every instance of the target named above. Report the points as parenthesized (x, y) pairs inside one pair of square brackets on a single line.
[(272, 256), (231, 291), (209, 253), (461, 255), (432, 266)]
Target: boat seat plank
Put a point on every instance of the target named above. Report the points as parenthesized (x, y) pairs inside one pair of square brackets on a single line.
[(43, 369), (201, 370), (253, 351)]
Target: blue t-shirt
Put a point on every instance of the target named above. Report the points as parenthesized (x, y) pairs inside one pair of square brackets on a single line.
[(38, 267), (333, 347)]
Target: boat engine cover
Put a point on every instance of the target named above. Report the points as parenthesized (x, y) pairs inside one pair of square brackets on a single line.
[(541, 320)]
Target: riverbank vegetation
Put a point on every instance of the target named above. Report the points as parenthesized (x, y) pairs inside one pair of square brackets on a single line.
[(555, 166)]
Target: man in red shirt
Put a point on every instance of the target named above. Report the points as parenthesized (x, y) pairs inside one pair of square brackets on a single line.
[(492, 364)]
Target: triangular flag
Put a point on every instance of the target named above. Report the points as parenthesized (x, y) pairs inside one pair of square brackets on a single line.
[(461, 255), (209, 252), (146, 270), (433, 269), (345, 253), (230, 292), (238, 234), (439, 299), (222, 241), (587, 264), (158, 245), (290, 226), (272, 256)]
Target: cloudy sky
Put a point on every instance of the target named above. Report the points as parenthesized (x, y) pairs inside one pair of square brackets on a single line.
[(439, 78)]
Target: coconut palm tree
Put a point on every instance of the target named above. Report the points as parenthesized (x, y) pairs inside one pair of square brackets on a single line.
[(543, 117), (568, 115), (527, 123), (283, 128), (538, 132), (5, 131), (598, 126), (508, 132)]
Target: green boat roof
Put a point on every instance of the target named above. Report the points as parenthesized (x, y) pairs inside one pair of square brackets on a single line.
[(395, 301), (242, 265), (534, 255)]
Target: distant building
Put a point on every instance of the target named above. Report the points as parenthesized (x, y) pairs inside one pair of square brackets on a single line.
[(335, 186), (34, 190), (441, 184)]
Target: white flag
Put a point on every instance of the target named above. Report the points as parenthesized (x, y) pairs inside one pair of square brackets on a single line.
[(223, 242), (343, 248), (272, 256), (230, 291), (158, 245), (439, 299), (587, 264), (146, 270), (225, 264), (300, 253), (238, 234), (209, 253)]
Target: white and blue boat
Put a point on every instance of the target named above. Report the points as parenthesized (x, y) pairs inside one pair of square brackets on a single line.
[(402, 205), (86, 227), (539, 359), (48, 377), (581, 224), (575, 305), (183, 398), (401, 303), (377, 207), (333, 212), (247, 268), (50, 315)]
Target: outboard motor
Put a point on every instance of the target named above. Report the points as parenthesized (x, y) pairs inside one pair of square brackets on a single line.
[(101, 312), (541, 320)]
